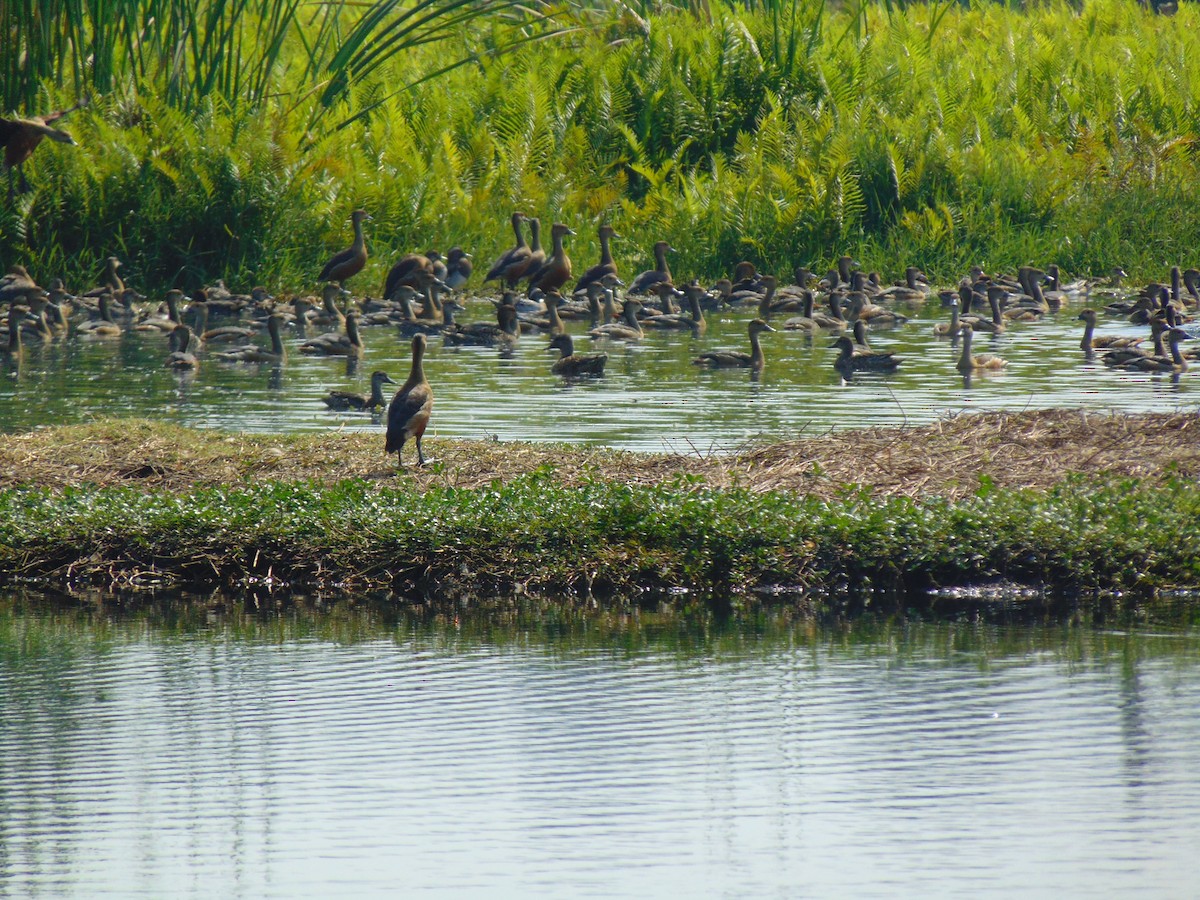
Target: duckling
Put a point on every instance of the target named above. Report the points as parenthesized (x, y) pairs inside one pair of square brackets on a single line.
[(606, 266), (252, 353), (967, 362), (458, 268), (350, 261), (556, 270), (571, 363), (342, 400), (646, 281), (183, 349), (503, 333), (850, 360), (409, 411), (514, 262), (728, 359), (333, 343), (628, 329), (1091, 343)]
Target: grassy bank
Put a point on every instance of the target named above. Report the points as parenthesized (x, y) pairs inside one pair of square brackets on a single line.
[(1063, 510), (935, 135)]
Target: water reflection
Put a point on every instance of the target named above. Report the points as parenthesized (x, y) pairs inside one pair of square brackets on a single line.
[(534, 750), (650, 398)]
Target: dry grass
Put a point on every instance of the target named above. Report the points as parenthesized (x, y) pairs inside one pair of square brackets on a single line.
[(1027, 449)]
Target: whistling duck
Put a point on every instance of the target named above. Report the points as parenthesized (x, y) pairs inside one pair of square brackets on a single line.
[(832, 320), (860, 307), (572, 363), (768, 297), (556, 270), (444, 323), (341, 400), (104, 326), (550, 323), (628, 329), (513, 263), (849, 360), (693, 321), (1091, 343), (949, 329), (409, 411), (728, 359), (330, 314), (252, 353), (352, 260), (804, 321), (335, 343), (225, 334), (606, 266), (645, 282), (13, 349), (183, 349), (844, 266), (413, 269), (913, 293), (17, 286), (1174, 362), (502, 333), (164, 324), (20, 137), (458, 268), (968, 362), (994, 325)]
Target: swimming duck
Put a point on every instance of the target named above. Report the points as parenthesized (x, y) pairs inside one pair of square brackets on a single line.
[(182, 349), (804, 321), (351, 260), (225, 334), (968, 362), (1174, 362), (104, 326), (409, 411), (994, 325), (502, 333), (724, 359), (573, 364), (606, 266), (164, 323), (341, 400), (550, 323), (334, 343), (693, 321), (513, 263), (252, 353), (913, 293), (21, 136), (330, 314), (848, 361), (1091, 343), (556, 270), (951, 328), (628, 329), (859, 306), (646, 281)]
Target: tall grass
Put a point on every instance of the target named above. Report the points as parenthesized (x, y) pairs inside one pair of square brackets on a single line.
[(786, 133)]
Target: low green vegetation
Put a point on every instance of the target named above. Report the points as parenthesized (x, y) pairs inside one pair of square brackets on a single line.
[(1086, 534), (786, 133)]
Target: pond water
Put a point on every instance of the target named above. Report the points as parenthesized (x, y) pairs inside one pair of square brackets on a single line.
[(362, 750), (652, 397)]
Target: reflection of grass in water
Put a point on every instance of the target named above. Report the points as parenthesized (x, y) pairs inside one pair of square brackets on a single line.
[(881, 134)]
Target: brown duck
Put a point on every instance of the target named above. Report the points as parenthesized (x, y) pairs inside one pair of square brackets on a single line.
[(556, 270), (572, 363), (20, 137), (341, 400), (350, 261), (730, 359), (409, 411), (606, 266), (513, 263)]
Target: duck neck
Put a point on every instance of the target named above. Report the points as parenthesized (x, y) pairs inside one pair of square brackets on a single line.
[(376, 392), (448, 315), (173, 309), (605, 253), (360, 242), (757, 359), (630, 315), (535, 236), (558, 252), (1156, 332), (1089, 329), (660, 258), (552, 313), (610, 305), (565, 345), (964, 359), (14, 333), (697, 312), (1176, 356), (416, 374), (764, 305), (516, 227), (910, 278), (1176, 283), (274, 334), (997, 318), (808, 303), (105, 308), (428, 307), (352, 331)]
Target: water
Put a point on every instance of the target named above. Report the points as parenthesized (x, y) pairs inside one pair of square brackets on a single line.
[(652, 397), (369, 752)]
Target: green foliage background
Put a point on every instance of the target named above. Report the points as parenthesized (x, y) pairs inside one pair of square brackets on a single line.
[(781, 132)]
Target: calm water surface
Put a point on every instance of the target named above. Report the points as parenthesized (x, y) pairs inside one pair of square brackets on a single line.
[(652, 397), (361, 752)]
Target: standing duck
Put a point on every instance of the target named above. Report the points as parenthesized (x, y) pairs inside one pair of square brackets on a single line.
[(352, 260), (342, 400), (556, 270), (606, 266), (512, 264), (646, 281), (573, 364), (729, 359), (413, 270), (458, 268), (409, 411)]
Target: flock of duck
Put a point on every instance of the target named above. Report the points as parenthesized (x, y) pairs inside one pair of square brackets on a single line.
[(422, 294)]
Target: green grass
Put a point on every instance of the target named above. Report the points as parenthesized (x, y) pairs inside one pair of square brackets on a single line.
[(1111, 535), (785, 133)]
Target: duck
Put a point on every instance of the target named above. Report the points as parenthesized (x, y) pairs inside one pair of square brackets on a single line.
[(628, 329), (21, 136), (182, 349), (646, 281), (342, 400), (805, 321), (12, 348), (164, 323), (224, 334), (994, 325), (693, 321), (968, 362), (1091, 343), (729, 359), (413, 269), (350, 261), (111, 283), (502, 333), (511, 266), (849, 360), (17, 285), (913, 293), (951, 328), (104, 326), (252, 353), (1118, 356), (859, 306), (410, 409), (550, 323), (606, 266), (571, 363), (832, 320), (556, 270), (458, 268), (330, 314), (1174, 361), (336, 343)]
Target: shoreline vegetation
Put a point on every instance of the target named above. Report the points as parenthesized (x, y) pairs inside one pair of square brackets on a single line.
[(1069, 502)]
